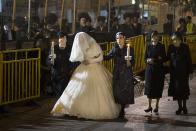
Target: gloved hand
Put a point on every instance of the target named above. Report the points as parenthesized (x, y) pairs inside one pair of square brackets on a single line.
[(52, 56), (128, 58), (150, 61)]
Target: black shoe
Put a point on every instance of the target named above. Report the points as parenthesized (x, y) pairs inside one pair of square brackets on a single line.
[(156, 110), (148, 110), (121, 116), (178, 112), (185, 110), (122, 113)]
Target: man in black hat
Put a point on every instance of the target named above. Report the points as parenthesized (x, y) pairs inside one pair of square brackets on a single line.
[(123, 56), (59, 61), (127, 26), (84, 18)]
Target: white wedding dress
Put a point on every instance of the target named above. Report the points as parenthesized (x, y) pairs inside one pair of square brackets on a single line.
[(89, 93)]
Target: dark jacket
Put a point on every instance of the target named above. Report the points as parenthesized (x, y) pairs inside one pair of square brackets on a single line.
[(154, 73), (122, 75), (180, 68)]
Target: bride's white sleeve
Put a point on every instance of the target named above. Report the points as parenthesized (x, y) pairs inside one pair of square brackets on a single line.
[(96, 59)]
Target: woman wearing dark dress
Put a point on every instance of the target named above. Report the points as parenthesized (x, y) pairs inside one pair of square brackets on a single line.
[(155, 56), (180, 69)]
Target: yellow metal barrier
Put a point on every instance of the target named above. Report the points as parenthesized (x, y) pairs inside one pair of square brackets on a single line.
[(106, 49), (192, 47), (166, 40), (19, 75), (190, 39), (138, 43)]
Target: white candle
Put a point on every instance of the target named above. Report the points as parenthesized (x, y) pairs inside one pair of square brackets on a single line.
[(128, 50)]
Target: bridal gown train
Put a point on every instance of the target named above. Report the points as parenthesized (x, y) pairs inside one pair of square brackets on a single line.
[(89, 93)]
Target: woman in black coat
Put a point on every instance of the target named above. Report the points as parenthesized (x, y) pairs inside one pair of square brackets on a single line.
[(155, 56), (61, 66), (123, 88), (180, 69)]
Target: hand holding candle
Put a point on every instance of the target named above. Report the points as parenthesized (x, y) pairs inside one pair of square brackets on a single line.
[(128, 57), (52, 54)]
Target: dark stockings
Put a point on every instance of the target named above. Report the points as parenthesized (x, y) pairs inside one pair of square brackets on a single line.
[(182, 107), (122, 112), (182, 104)]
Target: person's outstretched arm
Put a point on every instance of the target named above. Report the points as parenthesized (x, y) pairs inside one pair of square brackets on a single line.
[(110, 55)]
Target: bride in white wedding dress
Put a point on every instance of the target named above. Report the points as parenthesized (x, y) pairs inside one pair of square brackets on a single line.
[(89, 92)]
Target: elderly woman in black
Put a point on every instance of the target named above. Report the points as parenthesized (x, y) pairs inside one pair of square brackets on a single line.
[(155, 56), (180, 70)]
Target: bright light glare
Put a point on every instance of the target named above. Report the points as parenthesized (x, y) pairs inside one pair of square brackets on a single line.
[(133, 2)]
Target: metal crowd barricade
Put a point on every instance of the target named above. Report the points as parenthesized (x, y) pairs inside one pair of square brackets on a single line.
[(106, 47), (188, 39), (138, 43), (19, 75), (191, 41), (166, 40)]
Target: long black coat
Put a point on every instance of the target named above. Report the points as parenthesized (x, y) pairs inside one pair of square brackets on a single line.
[(61, 70), (180, 68), (154, 73), (122, 75)]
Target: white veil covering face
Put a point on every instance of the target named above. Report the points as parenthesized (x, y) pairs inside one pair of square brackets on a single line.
[(84, 45)]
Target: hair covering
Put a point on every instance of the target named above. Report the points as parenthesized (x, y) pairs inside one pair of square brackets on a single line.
[(154, 33), (84, 44), (119, 33), (177, 35), (61, 34)]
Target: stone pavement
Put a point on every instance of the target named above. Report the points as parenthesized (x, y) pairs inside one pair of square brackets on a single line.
[(38, 118)]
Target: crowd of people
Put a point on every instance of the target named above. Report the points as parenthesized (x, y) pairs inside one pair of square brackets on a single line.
[(51, 26), (86, 89)]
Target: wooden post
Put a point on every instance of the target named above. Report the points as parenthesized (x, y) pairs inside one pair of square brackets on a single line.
[(109, 14), (13, 14), (98, 9), (148, 9), (1, 77), (74, 16), (45, 12), (29, 19), (62, 13)]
